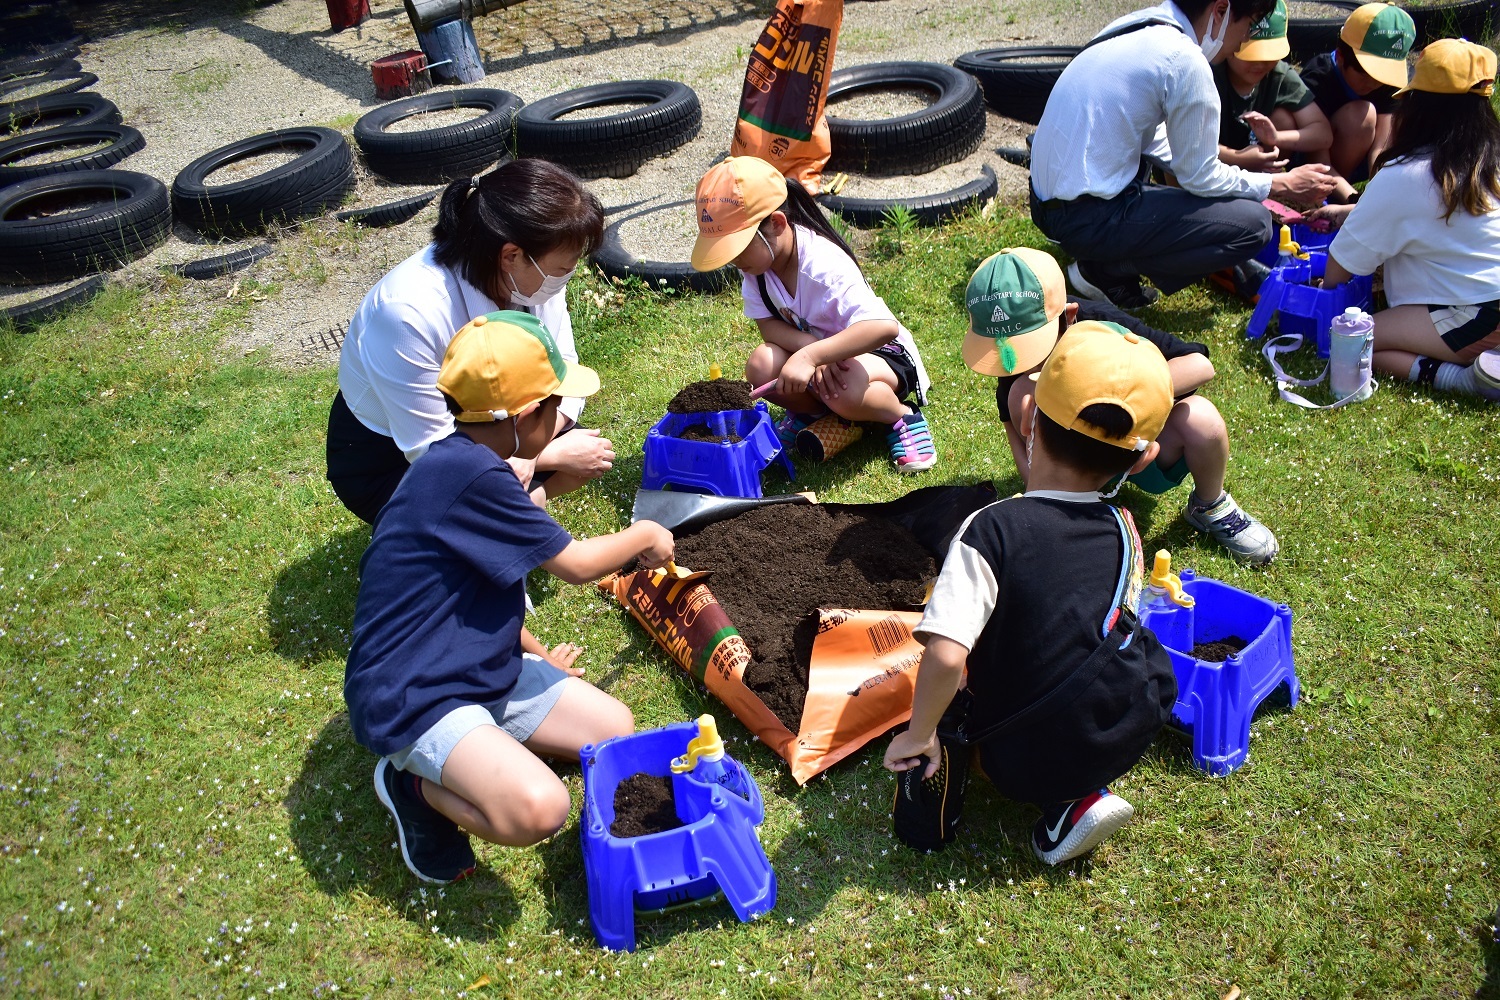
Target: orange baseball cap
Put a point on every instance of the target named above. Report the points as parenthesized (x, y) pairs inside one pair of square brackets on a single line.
[(1096, 362), (734, 197), (1454, 66)]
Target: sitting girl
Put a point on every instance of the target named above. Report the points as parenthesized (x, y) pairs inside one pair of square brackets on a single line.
[(831, 343), (1431, 214)]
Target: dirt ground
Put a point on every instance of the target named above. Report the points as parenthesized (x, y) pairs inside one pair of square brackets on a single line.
[(193, 77)]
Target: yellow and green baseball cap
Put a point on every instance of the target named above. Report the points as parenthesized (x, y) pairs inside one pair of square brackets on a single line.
[(1454, 66), (1267, 41), (1098, 362), (1014, 299), (501, 363), (1381, 35)]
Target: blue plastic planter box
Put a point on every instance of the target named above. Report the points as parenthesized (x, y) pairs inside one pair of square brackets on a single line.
[(1302, 307), (1215, 701), (727, 469), (717, 850), (1304, 236)]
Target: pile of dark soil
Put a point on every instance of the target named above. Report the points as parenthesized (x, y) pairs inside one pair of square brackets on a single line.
[(712, 396), (774, 567), (699, 432), (1218, 652), (644, 804)]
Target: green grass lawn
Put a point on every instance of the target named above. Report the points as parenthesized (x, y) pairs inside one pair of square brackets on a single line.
[(186, 813)]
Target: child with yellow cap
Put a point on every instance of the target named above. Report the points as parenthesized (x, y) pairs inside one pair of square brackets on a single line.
[(1034, 615), (832, 348), (443, 682)]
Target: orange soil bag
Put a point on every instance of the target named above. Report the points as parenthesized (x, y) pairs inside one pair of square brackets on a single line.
[(862, 672), (786, 84)]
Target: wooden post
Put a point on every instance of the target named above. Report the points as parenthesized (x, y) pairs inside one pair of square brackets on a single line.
[(347, 13), (400, 74), (453, 52)]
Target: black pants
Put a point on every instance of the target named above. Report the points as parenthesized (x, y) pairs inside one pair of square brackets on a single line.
[(364, 467), (1167, 234)]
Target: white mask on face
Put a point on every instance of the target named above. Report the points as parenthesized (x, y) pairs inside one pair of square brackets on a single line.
[(552, 285), (1211, 46)]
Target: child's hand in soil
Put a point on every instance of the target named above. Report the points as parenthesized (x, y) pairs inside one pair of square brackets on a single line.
[(659, 545), (562, 656), (1330, 215), (908, 751)]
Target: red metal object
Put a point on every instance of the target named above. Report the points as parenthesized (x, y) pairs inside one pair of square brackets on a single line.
[(347, 13), (400, 74)]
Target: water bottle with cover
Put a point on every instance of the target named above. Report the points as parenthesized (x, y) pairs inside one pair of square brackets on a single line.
[(1351, 350), (705, 759)]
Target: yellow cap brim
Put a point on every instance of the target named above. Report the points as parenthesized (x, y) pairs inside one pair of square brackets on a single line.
[(982, 354), (1391, 72), (712, 252), (1264, 50), (580, 381)]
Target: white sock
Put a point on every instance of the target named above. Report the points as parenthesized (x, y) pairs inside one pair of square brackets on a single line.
[(1448, 377)]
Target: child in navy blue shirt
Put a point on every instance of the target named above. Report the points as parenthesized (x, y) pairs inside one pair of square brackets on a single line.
[(443, 682)]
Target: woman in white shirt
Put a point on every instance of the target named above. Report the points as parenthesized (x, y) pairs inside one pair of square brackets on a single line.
[(507, 240), (1431, 215)]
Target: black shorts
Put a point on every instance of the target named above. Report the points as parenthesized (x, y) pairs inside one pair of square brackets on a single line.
[(902, 365), (364, 467)]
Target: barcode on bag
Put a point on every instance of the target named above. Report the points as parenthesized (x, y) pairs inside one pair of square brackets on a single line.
[(888, 633)]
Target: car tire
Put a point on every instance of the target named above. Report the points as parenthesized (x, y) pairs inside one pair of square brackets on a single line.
[(121, 140), (944, 132), (611, 145), (58, 111), (1017, 81), (61, 83), (38, 249), (438, 155), (928, 210), (390, 214), (224, 263), (39, 59), (315, 181), (616, 262), (1311, 36), (25, 316), (67, 67)]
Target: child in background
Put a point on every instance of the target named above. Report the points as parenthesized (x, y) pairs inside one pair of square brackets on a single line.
[(832, 347), (1431, 215), (1017, 310), (1355, 87), (443, 682), (1037, 599)]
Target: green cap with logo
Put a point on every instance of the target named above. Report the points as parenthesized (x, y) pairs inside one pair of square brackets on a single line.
[(1381, 35), (1014, 299), (1267, 39)]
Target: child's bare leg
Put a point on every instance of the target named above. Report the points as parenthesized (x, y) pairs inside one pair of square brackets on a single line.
[(1353, 135), (1408, 330), (1195, 430), (583, 715), (498, 790), (868, 392), (764, 365)]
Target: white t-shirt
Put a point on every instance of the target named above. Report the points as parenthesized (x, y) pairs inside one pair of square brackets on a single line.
[(1428, 261), (389, 364), (832, 295)]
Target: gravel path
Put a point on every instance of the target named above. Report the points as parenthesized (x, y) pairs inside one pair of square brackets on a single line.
[(192, 81)]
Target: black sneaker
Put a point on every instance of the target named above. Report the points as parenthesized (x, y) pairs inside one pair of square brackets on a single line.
[(1124, 295), (432, 845), (1070, 830)]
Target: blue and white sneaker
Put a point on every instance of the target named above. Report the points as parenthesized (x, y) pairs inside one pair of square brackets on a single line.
[(1227, 523), (1070, 830), (791, 424), (911, 443)]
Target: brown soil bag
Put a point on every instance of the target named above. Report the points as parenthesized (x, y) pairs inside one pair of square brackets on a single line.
[(786, 84), (863, 667)]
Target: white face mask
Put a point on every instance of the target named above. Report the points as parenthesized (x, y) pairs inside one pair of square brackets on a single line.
[(1211, 46), (552, 285)]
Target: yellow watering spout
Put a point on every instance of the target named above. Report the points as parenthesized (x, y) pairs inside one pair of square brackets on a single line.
[(706, 744), (1287, 247), (1163, 580), (715, 372)]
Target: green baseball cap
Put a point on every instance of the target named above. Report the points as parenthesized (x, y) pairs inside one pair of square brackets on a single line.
[(1267, 39), (1381, 35), (1014, 299)]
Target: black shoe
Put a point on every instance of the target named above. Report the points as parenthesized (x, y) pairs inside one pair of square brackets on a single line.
[(1070, 830), (432, 845), (1243, 280), (1129, 294)]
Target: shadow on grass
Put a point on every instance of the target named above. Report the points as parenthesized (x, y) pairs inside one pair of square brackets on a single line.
[(347, 843), (1488, 933), (311, 606)]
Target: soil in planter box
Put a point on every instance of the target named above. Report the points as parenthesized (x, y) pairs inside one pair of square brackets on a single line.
[(644, 804), (712, 396), (774, 567), (700, 432), (1218, 652)]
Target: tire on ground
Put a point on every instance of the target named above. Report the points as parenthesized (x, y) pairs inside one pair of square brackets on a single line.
[(928, 210), (61, 83), (947, 130), (1312, 35), (124, 215), (438, 155), (39, 58), (26, 315), (315, 181), (1017, 81), (119, 141), (616, 262), (65, 67), (612, 145), (222, 264), (57, 111)]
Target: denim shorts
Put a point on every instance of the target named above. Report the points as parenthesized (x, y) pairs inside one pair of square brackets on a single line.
[(518, 714)]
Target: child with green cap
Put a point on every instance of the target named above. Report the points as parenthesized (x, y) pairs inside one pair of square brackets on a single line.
[(1018, 308), (1034, 613), (443, 682)]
